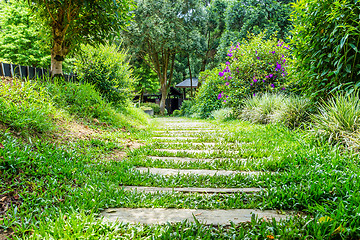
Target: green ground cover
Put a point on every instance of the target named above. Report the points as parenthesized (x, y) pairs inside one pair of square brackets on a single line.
[(61, 189)]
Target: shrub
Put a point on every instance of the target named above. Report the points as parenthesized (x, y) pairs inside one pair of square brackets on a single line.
[(276, 108), (223, 114), (339, 120), (26, 106), (153, 106), (187, 108), (205, 100), (254, 66), (326, 45), (176, 113), (108, 69)]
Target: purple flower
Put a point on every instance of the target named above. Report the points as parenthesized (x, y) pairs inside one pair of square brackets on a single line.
[(254, 94), (225, 101), (263, 80), (251, 84), (227, 83), (230, 55), (272, 85), (221, 74), (287, 47), (284, 60), (256, 51), (220, 95), (271, 75), (227, 63), (283, 88), (266, 76), (258, 58), (254, 79), (273, 52), (230, 77), (278, 66)]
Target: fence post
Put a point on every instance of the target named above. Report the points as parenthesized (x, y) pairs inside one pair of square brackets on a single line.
[(21, 75), (2, 71), (11, 70)]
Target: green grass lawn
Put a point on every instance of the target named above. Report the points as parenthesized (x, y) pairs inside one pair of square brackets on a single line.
[(58, 190)]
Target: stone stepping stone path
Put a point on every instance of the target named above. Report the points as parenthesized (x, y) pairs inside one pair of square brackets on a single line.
[(204, 172), (169, 133), (163, 215), (192, 190)]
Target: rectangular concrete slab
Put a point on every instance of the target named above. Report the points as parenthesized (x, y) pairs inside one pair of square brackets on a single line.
[(185, 131), (175, 138), (187, 160), (188, 143), (196, 151), (171, 172), (163, 215), (191, 190)]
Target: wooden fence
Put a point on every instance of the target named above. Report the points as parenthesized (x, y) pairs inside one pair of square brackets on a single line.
[(13, 70)]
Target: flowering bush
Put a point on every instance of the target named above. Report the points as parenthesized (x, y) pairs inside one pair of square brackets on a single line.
[(255, 66), (205, 100)]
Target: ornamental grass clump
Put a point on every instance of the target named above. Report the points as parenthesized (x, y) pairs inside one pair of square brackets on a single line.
[(259, 108), (254, 66), (293, 112), (338, 120), (265, 108)]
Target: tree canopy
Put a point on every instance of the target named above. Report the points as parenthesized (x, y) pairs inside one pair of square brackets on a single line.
[(21, 38), (159, 31), (72, 22)]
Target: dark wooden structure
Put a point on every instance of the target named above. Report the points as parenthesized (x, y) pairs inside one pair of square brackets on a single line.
[(188, 84), (173, 101)]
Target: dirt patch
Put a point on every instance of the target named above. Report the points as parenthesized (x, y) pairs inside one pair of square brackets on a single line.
[(118, 155), (75, 130), (7, 80)]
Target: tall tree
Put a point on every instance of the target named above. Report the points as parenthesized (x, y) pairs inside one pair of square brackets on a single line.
[(72, 22), (159, 31)]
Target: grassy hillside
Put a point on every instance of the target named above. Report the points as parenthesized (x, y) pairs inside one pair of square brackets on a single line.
[(53, 137)]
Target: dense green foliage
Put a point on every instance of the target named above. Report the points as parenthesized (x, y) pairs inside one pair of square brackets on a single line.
[(21, 37), (108, 69), (326, 40), (251, 16), (253, 67), (206, 99)]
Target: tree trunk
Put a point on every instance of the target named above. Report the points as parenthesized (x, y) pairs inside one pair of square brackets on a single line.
[(56, 65), (191, 82), (60, 48), (163, 98)]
